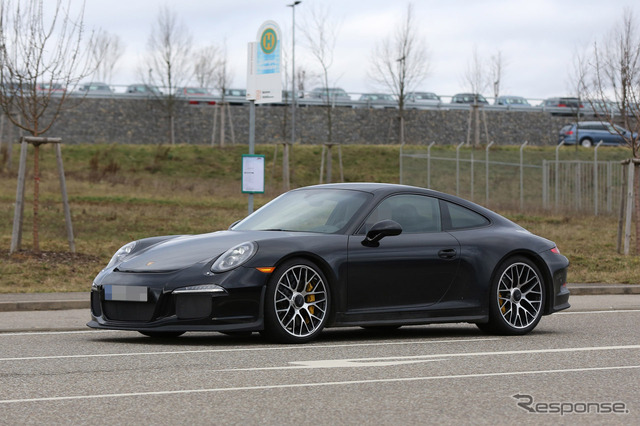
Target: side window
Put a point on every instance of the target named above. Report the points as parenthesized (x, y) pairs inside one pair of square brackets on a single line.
[(415, 213), (463, 218)]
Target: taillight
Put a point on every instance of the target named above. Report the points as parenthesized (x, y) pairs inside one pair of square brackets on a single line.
[(569, 132), (555, 250), (562, 105)]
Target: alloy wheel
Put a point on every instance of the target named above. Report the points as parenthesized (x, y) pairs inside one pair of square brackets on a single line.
[(301, 301), (520, 295)]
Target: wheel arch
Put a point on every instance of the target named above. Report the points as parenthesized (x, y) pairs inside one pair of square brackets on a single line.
[(542, 267), (326, 269)]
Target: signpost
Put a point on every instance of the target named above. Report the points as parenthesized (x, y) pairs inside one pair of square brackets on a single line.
[(264, 80), (253, 174), (264, 85)]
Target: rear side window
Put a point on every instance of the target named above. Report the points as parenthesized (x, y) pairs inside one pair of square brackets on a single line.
[(462, 218)]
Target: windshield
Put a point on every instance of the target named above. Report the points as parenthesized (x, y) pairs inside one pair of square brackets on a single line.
[(325, 211)]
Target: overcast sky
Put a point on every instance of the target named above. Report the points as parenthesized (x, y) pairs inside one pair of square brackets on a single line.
[(537, 38)]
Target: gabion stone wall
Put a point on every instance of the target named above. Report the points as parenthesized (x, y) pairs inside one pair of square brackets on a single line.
[(140, 121)]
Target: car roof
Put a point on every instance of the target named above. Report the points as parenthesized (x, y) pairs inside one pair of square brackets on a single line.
[(381, 190)]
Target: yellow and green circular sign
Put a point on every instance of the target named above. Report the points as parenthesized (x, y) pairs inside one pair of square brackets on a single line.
[(268, 41)]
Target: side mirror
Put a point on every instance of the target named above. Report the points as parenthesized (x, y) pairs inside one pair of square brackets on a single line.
[(379, 230)]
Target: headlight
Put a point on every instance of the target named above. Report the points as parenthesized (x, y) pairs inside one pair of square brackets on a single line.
[(121, 254), (234, 257)]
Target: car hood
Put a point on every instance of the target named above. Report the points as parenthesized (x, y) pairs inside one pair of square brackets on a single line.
[(184, 251)]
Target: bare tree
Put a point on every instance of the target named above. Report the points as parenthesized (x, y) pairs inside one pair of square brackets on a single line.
[(205, 64), (578, 86), (497, 66), (476, 78), (222, 80), (42, 59), (320, 32), (302, 77), (475, 75), (401, 62), (615, 71), (168, 61), (106, 51), (223, 76)]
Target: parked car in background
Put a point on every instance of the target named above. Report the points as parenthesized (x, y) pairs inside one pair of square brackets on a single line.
[(191, 91), (589, 133), (563, 106), (50, 88), (376, 100), (334, 93), (195, 95), (143, 89), (512, 101), (11, 88), (604, 108), (421, 99), (95, 88), (469, 98), (235, 96)]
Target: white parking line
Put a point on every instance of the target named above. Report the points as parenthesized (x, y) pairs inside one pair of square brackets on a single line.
[(317, 384), (397, 360), (617, 311), (260, 349)]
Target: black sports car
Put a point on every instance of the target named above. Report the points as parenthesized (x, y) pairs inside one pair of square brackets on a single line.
[(362, 254)]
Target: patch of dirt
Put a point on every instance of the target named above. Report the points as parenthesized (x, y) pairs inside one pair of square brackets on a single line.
[(50, 257)]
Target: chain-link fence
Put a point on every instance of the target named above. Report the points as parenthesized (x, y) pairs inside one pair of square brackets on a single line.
[(519, 179)]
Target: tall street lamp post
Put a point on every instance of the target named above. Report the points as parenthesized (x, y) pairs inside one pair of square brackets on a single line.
[(285, 155)]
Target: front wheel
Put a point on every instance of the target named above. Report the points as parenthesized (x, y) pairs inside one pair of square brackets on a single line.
[(517, 298), (297, 302)]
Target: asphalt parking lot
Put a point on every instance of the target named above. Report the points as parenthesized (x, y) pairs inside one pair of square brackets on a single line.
[(582, 365)]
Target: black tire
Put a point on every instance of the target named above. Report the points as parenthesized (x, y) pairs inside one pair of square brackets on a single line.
[(162, 334), (586, 142), (517, 298), (297, 302)]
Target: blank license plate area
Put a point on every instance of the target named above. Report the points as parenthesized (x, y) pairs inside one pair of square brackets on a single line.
[(125, 293)]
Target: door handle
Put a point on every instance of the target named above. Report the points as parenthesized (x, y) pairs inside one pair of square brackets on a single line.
[(447, 253)]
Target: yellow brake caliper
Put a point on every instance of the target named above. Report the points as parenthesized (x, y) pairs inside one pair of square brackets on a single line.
[(503, 308), (310, 298)]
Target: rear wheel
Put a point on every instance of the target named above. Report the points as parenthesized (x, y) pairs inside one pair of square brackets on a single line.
[(517, 298), (297, 302)]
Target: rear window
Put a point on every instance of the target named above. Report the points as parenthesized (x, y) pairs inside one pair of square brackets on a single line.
[(463, 218)]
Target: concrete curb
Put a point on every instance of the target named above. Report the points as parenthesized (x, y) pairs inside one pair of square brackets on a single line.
[(51, 305), (600, 289), (80, 300), (16, 302)]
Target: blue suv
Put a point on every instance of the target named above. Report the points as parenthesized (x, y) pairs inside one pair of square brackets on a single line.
[(590, 133)]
